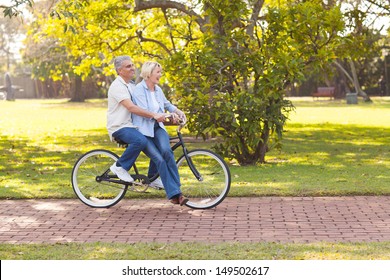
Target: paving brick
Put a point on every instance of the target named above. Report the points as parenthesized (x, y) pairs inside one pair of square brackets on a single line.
[(277, 219)]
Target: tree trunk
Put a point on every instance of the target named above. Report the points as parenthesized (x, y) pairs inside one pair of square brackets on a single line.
[(8, 87), (78, 94), (262, 147), (354, 79), (356, 83)]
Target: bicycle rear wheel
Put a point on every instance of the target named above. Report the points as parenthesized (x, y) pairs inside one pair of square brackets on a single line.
[(214, 184), (88, 182)]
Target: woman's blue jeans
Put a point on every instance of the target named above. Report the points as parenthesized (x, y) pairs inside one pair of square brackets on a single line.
[(136, 143), (159, 150)]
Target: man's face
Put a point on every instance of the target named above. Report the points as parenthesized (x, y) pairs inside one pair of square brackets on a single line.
[(127, 70)]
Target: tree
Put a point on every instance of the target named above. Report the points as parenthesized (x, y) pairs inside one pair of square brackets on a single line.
[(227, 62), (10, 31), (245, 73), (359, 60), (13, 9), (363, 41), (360, 44), (51, 59)]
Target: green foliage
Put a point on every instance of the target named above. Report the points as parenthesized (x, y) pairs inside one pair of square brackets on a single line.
[(13, 9), (10, 31), (233, 83), (230, 78), (359, 38)]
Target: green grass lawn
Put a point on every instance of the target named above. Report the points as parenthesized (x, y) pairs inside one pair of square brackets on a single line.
[(197, 251), (329, 149)]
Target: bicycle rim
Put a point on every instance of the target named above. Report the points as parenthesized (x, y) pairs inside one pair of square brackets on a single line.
[(214, 184), (89, 190)]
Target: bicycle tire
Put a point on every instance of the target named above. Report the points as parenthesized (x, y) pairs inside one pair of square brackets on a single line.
[(91, 191), (214, 185)]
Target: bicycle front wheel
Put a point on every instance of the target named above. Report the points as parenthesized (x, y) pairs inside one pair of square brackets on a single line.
[(88, 179), (212, 186)]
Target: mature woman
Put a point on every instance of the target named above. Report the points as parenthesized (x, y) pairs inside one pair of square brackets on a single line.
[(149, 96)]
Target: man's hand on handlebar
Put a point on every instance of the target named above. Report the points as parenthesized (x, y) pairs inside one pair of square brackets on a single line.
[(177, 117), (173, 119), (160, 117)]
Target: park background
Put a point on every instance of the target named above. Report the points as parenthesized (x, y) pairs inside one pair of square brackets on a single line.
[(261, 69)]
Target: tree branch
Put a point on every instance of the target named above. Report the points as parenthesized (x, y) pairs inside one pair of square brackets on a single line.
[(141, 5), (344, 71), (121, 44), (353, 79), (170, 29), (12, 9), (380, 5), (143, 39), (257, 6)]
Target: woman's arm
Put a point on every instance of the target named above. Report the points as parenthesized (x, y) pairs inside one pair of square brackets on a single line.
[(172, 108)]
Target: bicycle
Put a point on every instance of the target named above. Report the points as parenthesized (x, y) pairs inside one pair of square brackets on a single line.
[(204, 175)]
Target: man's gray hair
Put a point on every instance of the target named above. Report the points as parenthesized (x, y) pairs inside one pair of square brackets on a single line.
[(119, 60)]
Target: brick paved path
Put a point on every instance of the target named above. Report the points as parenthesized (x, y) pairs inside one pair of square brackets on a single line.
[(236, 219)]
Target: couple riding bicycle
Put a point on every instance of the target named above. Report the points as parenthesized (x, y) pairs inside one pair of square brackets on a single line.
[(135, 118)]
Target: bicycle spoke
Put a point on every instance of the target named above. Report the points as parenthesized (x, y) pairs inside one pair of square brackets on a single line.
[(90, 191), (214, 184)]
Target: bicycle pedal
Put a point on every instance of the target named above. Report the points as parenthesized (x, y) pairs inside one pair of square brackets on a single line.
[(156, 188), (137, 183)]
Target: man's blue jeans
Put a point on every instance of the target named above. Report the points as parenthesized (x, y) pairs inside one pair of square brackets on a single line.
[(136, 143), (159, 151)]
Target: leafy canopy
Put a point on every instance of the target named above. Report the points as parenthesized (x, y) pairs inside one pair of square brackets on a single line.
[(227, 63)]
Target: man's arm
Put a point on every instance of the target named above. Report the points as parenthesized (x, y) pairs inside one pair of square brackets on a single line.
[(132, 108)]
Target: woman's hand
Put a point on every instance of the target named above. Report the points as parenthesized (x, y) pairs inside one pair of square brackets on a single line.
[(181, 115), (160, 117)]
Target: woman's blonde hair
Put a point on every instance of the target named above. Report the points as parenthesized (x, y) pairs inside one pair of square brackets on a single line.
[(147, 69)]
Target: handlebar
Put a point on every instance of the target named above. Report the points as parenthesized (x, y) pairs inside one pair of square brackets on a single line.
[(173, 119)]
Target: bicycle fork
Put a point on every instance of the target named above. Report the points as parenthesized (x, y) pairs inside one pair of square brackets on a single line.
[(192, 166)]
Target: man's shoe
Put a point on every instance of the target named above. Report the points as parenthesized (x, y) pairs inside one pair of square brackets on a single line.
[(182, 200), (121, 173), (157, 184)]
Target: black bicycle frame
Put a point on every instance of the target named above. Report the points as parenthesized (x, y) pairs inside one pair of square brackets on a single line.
[(185, 153), (110, 178)]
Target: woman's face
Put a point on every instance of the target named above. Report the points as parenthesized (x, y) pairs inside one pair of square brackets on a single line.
[(155, 75)]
